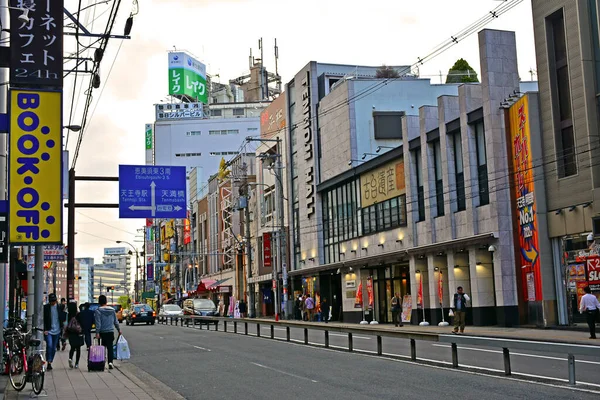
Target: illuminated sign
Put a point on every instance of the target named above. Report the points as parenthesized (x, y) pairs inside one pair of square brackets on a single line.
[(309, 173), (35, 172), (273, 118), (382, 183)]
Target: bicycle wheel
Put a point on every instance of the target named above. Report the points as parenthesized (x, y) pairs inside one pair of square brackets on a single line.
[(37, 374), (18, 378)]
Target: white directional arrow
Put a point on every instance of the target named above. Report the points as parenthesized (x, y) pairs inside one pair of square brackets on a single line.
[(134, 208), (177, 208), (153, 197)]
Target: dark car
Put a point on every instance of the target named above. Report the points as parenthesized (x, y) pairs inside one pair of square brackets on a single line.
[(140, 313), (200, 307)]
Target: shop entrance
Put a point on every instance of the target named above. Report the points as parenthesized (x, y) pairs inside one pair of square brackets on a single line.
[(387, 281)]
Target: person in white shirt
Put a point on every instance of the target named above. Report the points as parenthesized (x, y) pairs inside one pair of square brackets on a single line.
[(590, 305), (459, 306)]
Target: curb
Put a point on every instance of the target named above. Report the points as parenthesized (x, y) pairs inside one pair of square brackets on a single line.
[(148, 383)]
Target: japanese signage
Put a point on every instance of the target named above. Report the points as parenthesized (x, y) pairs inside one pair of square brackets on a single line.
[(382, 184), (54, 252), (267, 261), (35, 172), (179, 111), (37, 45), (273, 118), (307, 127), (187, 77), (525, 208), (3, 231), (187, 232), (593, 273), (370, 292), (149, 273), (149, 137), (115, 251), (407, 308)]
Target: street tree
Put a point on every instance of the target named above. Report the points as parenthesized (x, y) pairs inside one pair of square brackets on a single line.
[(385, 71), (461, 72)]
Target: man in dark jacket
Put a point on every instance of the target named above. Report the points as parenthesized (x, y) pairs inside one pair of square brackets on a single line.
[(54, 322), (87, 320), (324, 310), (62, 308)]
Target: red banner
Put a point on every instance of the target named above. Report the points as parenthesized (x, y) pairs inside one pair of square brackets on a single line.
[(593, 273), (149, 222), (440, 288), (187, 232), (370, 291), (420, 292), (267, 261), (358, 301)]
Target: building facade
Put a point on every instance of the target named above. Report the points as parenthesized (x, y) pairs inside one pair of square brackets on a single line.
[(567, 42)]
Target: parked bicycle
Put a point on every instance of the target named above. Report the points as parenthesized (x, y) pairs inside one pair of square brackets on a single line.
[(14, 327), (27, 364)]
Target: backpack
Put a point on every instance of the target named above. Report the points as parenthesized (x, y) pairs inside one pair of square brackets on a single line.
[(74, 326)]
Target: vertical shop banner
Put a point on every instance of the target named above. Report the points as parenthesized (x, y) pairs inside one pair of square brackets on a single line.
[(36, 46), (370, 292), (35, 167), (187, 231), (593, 273), (420, 292), (406, 308), (358, 301), (440, 288), (522, 181), (149, 272), (267, 260)]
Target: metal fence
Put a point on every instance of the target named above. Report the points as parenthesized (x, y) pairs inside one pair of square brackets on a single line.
[(507, 345)]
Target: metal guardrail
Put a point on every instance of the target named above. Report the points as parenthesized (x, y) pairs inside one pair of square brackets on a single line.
[(454, 340)]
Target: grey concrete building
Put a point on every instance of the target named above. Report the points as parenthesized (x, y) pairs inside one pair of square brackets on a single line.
[(567, 39)]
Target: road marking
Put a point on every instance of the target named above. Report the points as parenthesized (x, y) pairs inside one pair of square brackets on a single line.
[(283, 372), (161, 337), (201, 348), (519, 354), (353, 336), (196, 347)]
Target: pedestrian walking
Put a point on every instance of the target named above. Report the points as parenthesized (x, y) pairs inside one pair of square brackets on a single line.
[(324, 310), (298, 308), (310, 306), (303, 308), (53, 325), (87, 320), (591, 306), (106, 322), (459, 306), (62, 307), (397, 310), (243, 307), (74, 333)]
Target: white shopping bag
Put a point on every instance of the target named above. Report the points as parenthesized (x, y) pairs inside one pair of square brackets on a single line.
[(123, 352)]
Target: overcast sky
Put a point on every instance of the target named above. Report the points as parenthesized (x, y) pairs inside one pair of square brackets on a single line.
[(221, 33)]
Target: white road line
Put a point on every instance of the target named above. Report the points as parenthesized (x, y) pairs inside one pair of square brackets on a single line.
[(283, 372), (201, 348), (353, 336), (519, 354)]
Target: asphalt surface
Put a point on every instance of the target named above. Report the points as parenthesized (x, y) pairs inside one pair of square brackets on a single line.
[(216, 365)]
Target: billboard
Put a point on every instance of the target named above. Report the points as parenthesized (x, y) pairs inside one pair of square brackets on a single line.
[(187, 231), (149, 137), (187, 77), (54, 252), (35, 168), (115, 251), (273, 118), (382, 183), (525, 208)]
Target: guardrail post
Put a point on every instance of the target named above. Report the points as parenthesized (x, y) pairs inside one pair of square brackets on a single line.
[(225, 326), (187, 323), (379, 345), (245, 328), (305, 335), (571, 369), (326, 338), (413, 350), (171, 320), (506, 353), (234, 326), (454, 355), (350, 342), (287, 333), (258, 330), (272, 331)]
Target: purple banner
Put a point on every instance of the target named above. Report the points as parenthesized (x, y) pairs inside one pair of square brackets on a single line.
[(149, 272)]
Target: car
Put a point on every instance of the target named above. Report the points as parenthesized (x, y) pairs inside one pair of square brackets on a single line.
[(119, 311), (170, 310), (201, 307), (140, 313)]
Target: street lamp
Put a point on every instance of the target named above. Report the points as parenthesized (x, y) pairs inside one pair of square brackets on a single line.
[(73, 128), (24, 17), (137, 266)]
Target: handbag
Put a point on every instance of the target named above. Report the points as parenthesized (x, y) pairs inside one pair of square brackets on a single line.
[(123, 352), (74, 326), (451, 313)]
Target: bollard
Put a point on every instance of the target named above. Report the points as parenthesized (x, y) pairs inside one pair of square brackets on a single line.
[(571, 369), (272, 331), (506, 353), (245, 328), (350, 342), (171, 320), (413, 350), (287, 333), (326, 338), (305, 335), (258, 330), (454, 355), (225, 326), (379, 345), (234, 326)]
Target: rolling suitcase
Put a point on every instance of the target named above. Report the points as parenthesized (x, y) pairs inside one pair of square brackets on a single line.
[(96, 357)]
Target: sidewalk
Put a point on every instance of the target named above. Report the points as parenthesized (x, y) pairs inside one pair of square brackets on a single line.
[(552, 335), (70, 384)]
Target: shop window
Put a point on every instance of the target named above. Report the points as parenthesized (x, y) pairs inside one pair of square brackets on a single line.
[(459, 171), (420, 190)]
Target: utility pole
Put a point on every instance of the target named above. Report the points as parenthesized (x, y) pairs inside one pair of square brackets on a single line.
[(4, 38), (177, 266), (38, 317), (249, 287), (281, 239)]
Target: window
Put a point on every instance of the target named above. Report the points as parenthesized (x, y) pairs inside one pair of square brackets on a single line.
[(224, 132), (193, 133), (340, 221), (223, 153), (238, 112), (388, 124), (216, 113), (459, 172), (561, 93), (252, 129), (482, 172), (420, 190), (439, 183), (385, 215), (188, 154)]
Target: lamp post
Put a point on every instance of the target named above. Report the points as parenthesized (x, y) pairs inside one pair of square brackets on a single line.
[(137, 267)]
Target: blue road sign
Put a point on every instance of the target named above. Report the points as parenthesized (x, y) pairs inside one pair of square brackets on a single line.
[(152, 191)]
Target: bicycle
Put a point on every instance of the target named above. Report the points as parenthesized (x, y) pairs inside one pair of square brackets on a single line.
[(13, 328), (24, 368)]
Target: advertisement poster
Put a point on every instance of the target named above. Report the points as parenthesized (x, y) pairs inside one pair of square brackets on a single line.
[(358, 301), (530, 287), (580, 292), (406, 308), (370, 291), (576, 273), (420, 292), (440, 288), (593, 273)]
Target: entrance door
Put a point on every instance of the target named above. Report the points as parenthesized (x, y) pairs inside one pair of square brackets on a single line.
[(336, 298)]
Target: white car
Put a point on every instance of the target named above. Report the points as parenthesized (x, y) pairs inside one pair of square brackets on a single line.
[(170, 310)]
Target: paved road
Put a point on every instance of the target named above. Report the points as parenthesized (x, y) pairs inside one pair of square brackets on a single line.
[(216, 365)]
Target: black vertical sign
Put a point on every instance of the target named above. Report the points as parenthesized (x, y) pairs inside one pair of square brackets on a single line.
[(36, 44), (3, 231)]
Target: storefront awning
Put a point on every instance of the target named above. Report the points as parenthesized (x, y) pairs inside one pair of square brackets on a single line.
[(218, 283), (428, 248)]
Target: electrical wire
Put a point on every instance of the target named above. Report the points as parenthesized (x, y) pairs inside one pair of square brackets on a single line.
[(104, 223), (96, 236)]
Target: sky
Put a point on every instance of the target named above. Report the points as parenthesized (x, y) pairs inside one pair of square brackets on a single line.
[(220, 34)]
